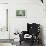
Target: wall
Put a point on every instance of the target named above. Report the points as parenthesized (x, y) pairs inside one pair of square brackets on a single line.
[(3, 1), (29, 7), (3, 21), (35, 12), (4, 34)]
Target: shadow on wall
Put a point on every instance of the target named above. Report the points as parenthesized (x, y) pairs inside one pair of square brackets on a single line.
[(41, 34)]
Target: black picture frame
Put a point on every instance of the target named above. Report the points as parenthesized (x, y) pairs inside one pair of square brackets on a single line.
[(20, 13)]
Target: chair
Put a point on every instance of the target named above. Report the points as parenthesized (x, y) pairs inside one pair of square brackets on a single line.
[(33, 30)]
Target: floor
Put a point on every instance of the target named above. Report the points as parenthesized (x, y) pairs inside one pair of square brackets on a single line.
[(18, 44), (29, 44), (5, 44), (23, 44)]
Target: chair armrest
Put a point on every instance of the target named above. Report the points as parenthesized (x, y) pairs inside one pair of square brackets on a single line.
[(24, 32), (22, 35)]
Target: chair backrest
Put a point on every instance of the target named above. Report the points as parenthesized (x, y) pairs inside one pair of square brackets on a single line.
[(33, 28)]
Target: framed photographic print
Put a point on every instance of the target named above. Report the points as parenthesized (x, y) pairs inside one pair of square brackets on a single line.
[(20, 13)]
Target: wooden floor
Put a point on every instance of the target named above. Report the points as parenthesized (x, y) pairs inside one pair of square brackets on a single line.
[(27, 44), (5, 44), (6, 40)]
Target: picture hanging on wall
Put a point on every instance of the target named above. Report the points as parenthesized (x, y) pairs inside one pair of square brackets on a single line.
[(20, 13)]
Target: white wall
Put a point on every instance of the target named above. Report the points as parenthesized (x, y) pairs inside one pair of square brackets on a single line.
[(3, 21), (4, 34), (29, 7), (44, 1), (35, 12), (3, 1)]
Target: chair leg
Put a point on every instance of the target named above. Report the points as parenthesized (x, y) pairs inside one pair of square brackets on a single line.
[(20, 42), (32, 42)]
